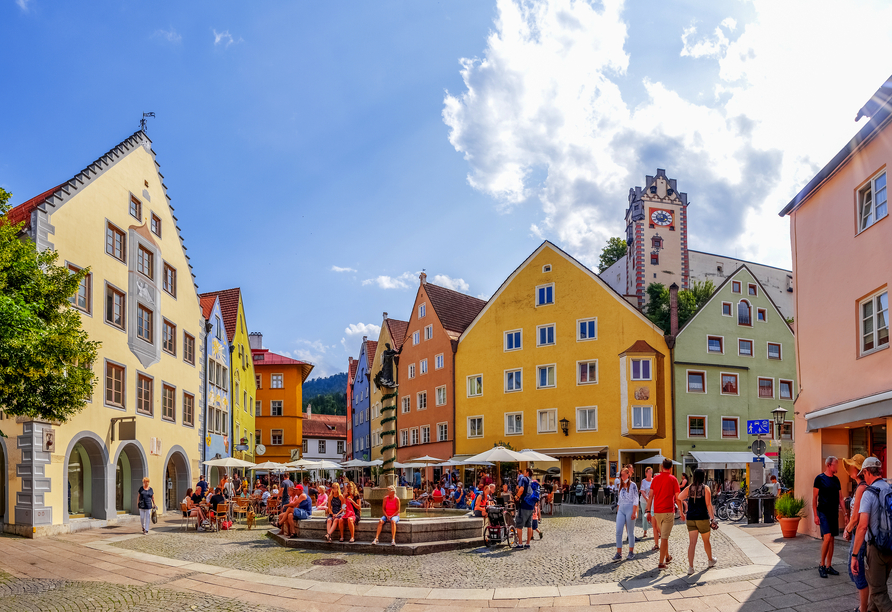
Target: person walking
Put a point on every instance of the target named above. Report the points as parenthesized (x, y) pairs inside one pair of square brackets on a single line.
[(700, 517), (826, 501), (878, 562), (626, 513), (664, 492), (145, 501), (853, 467), (644, 489), (526, 496)]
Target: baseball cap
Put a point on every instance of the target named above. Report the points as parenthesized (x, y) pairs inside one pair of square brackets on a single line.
[(870, 462)]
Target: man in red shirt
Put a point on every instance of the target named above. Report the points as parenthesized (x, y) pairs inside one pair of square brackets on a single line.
[(664, 491)]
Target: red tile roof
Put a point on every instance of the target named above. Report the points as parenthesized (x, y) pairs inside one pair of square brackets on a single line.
[(371, 347), (325, 426), (455, 310), (398, 331), (229, 299), (207, 305), (263, 357), (641, 346), (353, 365), (23, 211)]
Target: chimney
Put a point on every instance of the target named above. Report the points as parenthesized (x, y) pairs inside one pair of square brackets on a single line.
[(423, 278), (255, 341), (385, 315), (365, 338), (673, 312)]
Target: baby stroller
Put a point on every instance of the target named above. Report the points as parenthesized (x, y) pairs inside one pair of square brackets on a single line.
[(497, 530)]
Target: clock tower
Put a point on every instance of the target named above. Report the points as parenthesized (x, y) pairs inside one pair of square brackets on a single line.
[(657, 236)]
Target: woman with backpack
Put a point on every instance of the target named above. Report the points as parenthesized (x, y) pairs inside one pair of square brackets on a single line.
[(626, 513), (853, 467)]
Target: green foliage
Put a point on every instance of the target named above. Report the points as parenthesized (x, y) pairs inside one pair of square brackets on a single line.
[(45, 356), (336, 383), (611, 253), (505, 444), (788, 467), (330, 403), (788, 506), (689, 301)]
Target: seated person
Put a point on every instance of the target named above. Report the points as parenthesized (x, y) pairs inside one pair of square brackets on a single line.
[(321, 499), (192, 507), (481, 502), (437, 496), (299, 509), (391, 515)]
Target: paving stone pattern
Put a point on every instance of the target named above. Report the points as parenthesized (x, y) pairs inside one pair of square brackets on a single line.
[(577, 548)]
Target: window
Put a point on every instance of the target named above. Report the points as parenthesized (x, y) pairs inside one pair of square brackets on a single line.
[(236, 394), (513, 380), (144, 323), (587, 372), (786, 389), (114, 307), (275, 408), (413, 436), (156, 225), (727, 309), (423, 364), (475, 385), (730, 427), (421, 400), (545, 377), (114, 242), (715, 344), (735, 286), (416, 338), (321, 447), (586, 419), (761, 315), (641, 369), (169, 337), (258, 381), (786, 430), (729, 384), (258, 408), (438, 362), (135, 208), (696, 426), (170, 279), (441, 395), (588, 329), (168, 403), (406, 404), (751, 289), (774, 350), (275, 381), (425, 434), (188, 348), (547, 420), (340, 447), (766, 388), (442, 432), (546, 335), (513, 340), (546, 268), (545, 295), (696, 382), (514, 424), (275, 438), (422, 311), (258, 436), (428, 332), (475, 427), (744, 313), (872, 202), (114, 385), (82, 300), (642, 417), (411, 370), (188, 409), (875, 322), (404, 437), (744, 347), (654, 259), (219, 328), (145, 262), (143, 394)]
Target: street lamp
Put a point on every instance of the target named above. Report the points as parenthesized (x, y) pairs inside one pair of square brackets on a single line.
[(780, 418), (565, 425)]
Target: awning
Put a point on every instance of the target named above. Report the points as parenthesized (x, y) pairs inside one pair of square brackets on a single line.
[(874, 406), (575, 451), (723, 460)]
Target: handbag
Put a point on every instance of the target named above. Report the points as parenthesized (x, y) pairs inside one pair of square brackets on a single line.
[(154, 514)]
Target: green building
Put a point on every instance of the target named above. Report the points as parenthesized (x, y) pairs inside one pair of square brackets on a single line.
[(734, 362)]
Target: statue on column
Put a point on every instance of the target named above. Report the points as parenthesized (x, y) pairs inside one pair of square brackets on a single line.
[(384, 378)]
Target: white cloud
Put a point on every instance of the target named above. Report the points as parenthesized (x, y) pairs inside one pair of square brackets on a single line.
[(340, 269), (362, 329), (456, 284), (542, 116), (225, 38), (23, 4), (403, 281), (170, 35)]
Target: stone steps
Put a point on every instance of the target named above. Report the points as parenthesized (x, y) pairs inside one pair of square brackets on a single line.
[(383, 548)]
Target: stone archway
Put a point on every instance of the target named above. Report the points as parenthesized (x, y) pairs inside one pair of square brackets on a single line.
[(130, 467), (87, 482), (176, 478)]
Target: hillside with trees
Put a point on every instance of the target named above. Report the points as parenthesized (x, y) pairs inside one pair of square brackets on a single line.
[(327, 394)]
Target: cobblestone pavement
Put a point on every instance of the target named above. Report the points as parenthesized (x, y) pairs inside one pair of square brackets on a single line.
[(577, 548)]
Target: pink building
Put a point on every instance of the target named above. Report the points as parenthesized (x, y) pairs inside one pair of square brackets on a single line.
[(841, 236)]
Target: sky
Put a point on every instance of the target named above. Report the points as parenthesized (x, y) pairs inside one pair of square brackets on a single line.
[(321, 155)]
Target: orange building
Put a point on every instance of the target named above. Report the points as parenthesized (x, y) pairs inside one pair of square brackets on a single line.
[(278, 408)]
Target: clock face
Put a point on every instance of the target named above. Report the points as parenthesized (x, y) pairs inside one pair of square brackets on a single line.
[(661, 217)]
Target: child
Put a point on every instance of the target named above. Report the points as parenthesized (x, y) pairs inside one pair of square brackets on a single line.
[(536, 520)]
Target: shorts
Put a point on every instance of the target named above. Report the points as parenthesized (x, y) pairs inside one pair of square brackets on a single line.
[(860, 579), (699, 525), (394, 519), (665, 521), (478, 514), (524, 518), (535, 524), (300, 514), (829, 524)]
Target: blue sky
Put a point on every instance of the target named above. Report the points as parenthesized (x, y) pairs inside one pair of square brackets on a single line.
[(384, 138)]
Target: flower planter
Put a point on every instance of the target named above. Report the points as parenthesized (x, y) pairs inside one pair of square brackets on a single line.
[(789, 526)]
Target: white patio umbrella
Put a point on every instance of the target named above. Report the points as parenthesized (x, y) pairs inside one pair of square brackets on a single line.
[(655, 460), (537, 456), (399, 465), (499, 454), (427, 459), (270, 466), (302, 464), (229, 462)]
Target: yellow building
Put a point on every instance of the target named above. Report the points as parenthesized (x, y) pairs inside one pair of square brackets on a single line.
[(393, 332), (558, 362), (140, 302)]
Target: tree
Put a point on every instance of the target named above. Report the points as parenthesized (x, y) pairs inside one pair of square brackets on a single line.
[(611, 253), (689, 302), (45, 357)]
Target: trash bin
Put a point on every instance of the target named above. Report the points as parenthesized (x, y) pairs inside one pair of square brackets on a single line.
[(752, 510), (768, 510)]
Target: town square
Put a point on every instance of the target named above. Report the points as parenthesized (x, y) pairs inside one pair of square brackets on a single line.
[(394, 307)]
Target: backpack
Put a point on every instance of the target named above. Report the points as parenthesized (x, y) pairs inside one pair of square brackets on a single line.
[(532, 496), (883, 538)]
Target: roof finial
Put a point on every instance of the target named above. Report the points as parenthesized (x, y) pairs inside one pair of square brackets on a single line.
[(143, 123)]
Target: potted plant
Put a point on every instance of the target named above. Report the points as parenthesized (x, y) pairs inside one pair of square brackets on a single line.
[(789, 511)]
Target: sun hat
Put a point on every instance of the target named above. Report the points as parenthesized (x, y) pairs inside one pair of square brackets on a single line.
[(854, 462), (870, 462)]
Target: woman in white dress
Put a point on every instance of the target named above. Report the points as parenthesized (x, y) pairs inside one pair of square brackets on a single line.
[(643, 490)]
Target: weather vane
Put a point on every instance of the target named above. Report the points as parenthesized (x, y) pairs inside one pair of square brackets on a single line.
[(143, 122)]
